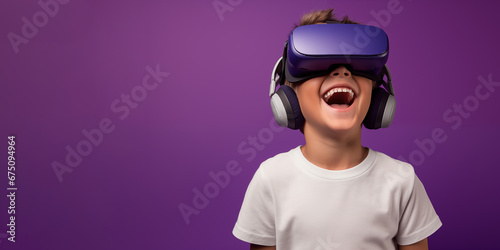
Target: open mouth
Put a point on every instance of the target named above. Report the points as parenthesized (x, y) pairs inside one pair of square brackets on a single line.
[(340, 98)]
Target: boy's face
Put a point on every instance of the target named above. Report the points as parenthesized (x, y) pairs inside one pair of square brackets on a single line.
[(337, 102)]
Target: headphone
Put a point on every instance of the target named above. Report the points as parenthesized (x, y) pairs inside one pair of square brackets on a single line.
[(286, 108)]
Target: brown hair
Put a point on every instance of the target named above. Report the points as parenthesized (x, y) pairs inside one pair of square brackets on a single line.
[(315, 17), (321, 16)]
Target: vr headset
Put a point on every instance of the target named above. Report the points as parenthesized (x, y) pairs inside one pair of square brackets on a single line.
[(312, 50), (315, 50)]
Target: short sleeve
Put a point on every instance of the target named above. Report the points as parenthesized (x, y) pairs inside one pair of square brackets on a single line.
[(256, 222), (419, 219)]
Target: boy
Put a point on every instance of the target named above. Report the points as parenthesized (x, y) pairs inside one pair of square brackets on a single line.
[(333, 193)]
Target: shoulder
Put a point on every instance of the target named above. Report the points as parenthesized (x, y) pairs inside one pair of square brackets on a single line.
[(394, 171), (280, 158), (391, 164), (280, 165)]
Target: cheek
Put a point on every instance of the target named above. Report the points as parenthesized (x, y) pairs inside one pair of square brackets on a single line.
[(365, 105), (304, 103), (307, 106), (308, 100), (365, 101)]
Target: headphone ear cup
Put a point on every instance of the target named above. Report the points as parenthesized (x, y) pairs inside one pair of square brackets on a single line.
[(286, 108), (381, 111)]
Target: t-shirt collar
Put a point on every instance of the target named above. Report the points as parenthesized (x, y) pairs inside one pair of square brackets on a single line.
[(353, 172)]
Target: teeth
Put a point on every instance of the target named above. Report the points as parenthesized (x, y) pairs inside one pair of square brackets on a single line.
[(336, 90)]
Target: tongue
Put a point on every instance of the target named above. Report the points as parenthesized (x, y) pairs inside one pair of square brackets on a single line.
[(339, 106), (340, 100)]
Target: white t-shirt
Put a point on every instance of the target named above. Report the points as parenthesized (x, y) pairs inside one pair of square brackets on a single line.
[(294, 204)]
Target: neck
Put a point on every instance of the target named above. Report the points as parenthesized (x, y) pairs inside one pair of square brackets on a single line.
[(335, 151)]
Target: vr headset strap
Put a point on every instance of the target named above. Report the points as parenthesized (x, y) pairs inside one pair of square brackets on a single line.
[(387, 84)]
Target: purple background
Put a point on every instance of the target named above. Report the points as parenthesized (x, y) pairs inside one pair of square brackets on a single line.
[(125, 194)]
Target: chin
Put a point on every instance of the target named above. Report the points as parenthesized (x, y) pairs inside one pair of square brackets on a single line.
[(343, 127)]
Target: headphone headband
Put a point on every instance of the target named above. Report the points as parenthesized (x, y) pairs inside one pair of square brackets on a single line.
[(275, 77)]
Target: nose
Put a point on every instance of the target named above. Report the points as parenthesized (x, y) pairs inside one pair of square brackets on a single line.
[(340, 71)]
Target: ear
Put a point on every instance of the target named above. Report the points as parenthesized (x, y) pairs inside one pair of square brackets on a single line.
[(289, 84)]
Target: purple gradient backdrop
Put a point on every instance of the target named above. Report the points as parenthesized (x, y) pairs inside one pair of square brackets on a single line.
[(126, 193)]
